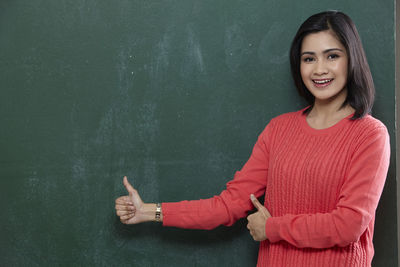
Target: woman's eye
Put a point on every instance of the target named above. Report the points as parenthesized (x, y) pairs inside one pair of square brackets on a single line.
[(308, 59), (333, 56)]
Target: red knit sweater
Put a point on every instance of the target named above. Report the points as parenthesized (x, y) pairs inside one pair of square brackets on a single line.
[(321, 187)]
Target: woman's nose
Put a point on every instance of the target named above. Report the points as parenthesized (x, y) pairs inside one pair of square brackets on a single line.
[(320, 68)]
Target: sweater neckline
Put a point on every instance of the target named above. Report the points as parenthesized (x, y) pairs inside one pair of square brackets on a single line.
[(332, 129)]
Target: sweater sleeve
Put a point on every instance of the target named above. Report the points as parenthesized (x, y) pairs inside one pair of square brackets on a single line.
[(233, 203), (357, 202)]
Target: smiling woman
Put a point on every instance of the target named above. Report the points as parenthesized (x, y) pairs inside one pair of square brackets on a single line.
[(321, 169), (338, 38), (324, 66), (323, 70)]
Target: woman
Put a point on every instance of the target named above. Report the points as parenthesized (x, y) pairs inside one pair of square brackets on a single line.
[(322, 169)]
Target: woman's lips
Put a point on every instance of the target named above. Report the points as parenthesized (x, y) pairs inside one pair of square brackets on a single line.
[(322, 82)]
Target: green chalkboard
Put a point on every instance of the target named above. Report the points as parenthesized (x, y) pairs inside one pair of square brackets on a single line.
[(172, 94)]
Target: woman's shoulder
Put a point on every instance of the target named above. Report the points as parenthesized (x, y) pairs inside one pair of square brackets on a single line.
[(368, 123), (288, 116), (368, 128), (283, 122)]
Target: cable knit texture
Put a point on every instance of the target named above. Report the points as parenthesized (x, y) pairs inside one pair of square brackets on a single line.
[(321, 187)]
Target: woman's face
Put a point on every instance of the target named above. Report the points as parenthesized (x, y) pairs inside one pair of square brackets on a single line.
[(323, 66)]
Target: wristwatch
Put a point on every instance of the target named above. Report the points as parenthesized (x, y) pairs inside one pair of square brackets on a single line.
[(158, 212)]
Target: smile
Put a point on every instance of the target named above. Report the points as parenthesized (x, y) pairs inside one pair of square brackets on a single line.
[(322, 82)]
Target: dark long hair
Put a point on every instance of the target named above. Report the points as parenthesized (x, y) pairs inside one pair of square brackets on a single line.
[(360, 86)]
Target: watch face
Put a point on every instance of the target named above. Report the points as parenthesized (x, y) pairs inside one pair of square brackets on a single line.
[(158, 212)]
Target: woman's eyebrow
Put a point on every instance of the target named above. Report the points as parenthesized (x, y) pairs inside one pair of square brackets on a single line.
[(324, 52), (332, 49)]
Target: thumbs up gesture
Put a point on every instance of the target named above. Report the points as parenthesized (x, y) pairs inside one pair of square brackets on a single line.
[(130, 208), (257, 220)]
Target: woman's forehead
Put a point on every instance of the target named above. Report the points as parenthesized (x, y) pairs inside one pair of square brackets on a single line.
[(321, 41)]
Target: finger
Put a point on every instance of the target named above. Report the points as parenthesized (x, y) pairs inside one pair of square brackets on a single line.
[(256, 203), (127, 217), (125, 207), (259, 206), (128, 186), (267, 212), (125, 200), (125, 210), (123, 213)]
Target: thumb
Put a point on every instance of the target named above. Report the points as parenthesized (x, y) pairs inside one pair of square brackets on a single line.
[(133, 194), (259, 206), (128, 186)]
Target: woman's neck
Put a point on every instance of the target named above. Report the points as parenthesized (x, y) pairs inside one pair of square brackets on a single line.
[(325, 116), (327, 112)]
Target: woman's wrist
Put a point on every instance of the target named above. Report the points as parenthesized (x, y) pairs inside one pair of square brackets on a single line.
[(150, 211)]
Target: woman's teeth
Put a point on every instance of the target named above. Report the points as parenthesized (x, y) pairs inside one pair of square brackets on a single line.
[(322, 81)]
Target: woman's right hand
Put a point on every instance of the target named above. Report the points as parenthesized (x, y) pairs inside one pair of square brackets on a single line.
[(131, 209)]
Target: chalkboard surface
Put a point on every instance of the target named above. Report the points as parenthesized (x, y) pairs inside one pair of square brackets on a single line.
[(172, 94)]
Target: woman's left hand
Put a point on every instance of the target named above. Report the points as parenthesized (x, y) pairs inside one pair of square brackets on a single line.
[(256, 221)]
